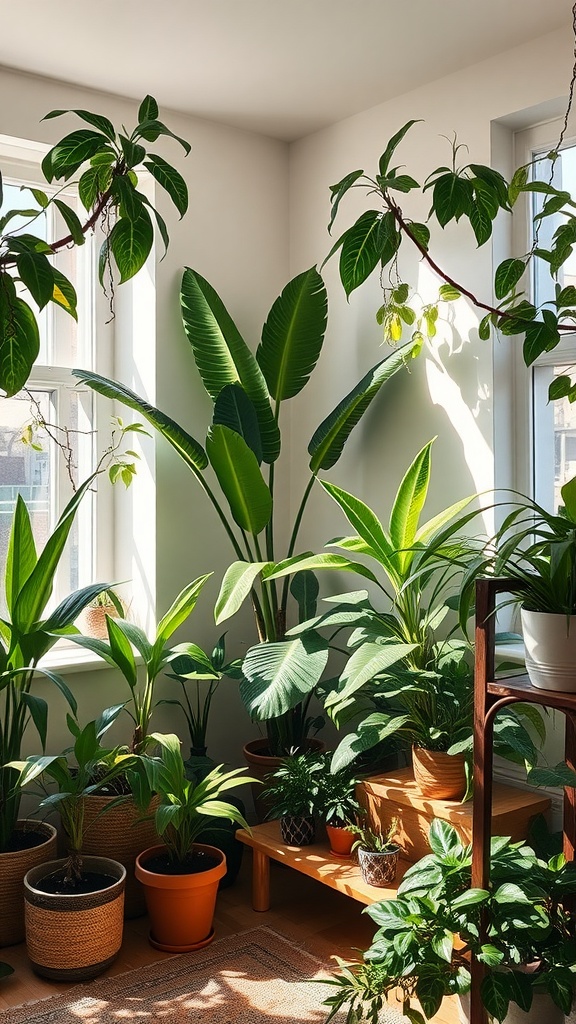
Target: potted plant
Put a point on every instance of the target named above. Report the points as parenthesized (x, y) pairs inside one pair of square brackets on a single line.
[(181, 877), (92, 622), (293, 794), (249, 393), (535, 551), (519, 929), (377, 853), (128, 829), (74, 906), (28, 633), (338, 807), (410, 671)]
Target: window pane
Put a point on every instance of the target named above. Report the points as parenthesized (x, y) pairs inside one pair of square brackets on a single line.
[(564, 177)]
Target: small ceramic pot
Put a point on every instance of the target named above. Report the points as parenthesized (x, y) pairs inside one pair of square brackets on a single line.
[(341, 841), (297, 830), (378, 868), (550, 645)]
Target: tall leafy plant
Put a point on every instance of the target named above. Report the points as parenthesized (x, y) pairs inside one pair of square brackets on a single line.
[(237, 470), (26, 634), (107, 162)]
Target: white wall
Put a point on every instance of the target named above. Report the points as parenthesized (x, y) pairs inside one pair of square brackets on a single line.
[(236, 235)]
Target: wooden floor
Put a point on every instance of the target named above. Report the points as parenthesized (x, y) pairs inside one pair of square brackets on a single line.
[(317, 918)]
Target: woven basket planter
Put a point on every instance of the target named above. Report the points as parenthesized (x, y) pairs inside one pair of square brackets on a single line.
[(439, 776), (122, 835), (13, 867), (74, 937), (297, 830), (378, 867)]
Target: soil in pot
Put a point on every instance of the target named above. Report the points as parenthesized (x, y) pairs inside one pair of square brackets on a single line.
[(197, 860), (31, 843), (90, 881)]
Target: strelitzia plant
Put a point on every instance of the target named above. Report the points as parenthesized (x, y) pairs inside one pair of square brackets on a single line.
[(26, 635), (240, 461), (124, 636)]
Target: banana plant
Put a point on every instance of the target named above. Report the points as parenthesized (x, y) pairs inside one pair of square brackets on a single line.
[(26, 635), (410, 668), (124, 636), (106, 161), (237, 470)]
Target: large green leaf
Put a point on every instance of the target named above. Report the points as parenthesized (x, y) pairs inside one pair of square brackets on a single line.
[(371, 731), (366, 523), (236, 585), (170, 180), (37, 589), (408, 505), (277, 676), (329, 438), (181, 608), (240, 478), (360, 250), (71, 152), (222, 356), (21, 557), (324, 560), (293, 334), (367, 662), (130, 242), (234, 409), (19, 342), (187, 447)]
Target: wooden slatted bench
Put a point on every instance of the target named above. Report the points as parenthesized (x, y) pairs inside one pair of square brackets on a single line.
[(314, 861)]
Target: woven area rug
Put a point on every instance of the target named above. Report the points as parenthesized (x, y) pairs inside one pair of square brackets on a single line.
[(256, 977)]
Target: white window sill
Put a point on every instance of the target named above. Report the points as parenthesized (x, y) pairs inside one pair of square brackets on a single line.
[(67, 660), (510, 652)]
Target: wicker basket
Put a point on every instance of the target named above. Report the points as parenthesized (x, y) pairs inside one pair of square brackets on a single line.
[(74, 937), (13, 867), (120, 834), (438, 775)]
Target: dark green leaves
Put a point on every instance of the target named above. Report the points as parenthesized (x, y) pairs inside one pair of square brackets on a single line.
[(293, 334), (339, 190), (170, 180), (360, 251), (130, 243), (507, 276), (67, 156), (396, 139), (19, 341)]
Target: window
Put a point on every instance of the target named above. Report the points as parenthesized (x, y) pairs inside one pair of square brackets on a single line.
[(45, 463), (550, 427)]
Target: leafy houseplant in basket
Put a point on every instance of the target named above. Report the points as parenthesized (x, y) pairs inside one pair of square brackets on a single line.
[(127, 830), (238, 471), (338, 807), (27, 633), (74, 907), (535, 551), (377, 853), (181, 877), (293, 794), (519, 929), (410, 671)]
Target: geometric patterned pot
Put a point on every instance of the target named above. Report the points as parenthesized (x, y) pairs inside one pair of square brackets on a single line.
[(378, 868), (298, 830)]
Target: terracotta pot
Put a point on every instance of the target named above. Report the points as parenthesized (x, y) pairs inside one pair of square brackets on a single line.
[(181, 907), (378, 867), (341, 841), (439, 776), (13, 867), (298, 829), (261, 765), (550, 645), (120, 834), (74, 937)]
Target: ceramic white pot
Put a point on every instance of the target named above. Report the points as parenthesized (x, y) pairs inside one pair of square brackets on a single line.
[(550, 643)]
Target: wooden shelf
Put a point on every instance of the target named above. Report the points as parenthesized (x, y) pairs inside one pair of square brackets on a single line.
[(520, 688)]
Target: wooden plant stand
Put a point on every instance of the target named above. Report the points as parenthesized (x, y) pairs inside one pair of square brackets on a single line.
[(490, 695), (314, 861)]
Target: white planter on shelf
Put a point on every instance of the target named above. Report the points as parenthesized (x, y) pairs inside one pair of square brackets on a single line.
[(550, 644)]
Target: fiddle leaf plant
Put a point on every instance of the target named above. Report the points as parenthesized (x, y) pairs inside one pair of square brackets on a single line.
[(238, 472), (461, 192), (107, 163)]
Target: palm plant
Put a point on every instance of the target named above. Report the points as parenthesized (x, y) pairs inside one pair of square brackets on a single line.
[(156, 655), (26, 636), (248, 394)]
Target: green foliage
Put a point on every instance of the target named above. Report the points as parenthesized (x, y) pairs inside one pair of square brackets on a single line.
[(525, 920), (83, 769), (294, 789), (237, 471), (156, 655), (106, 162), (184, 805), (338, 805), (376, 840), (472, 193), (26, 635)]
